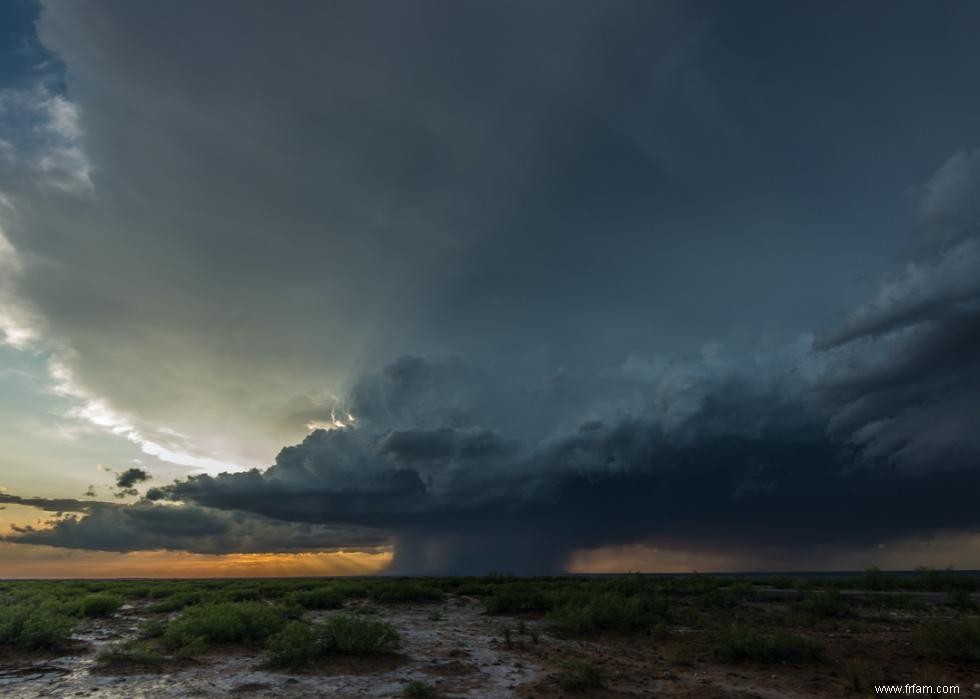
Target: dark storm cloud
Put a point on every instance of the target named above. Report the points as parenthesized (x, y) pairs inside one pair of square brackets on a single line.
[(777, 453), (144, 526), (905, 366), (866, 437), (869, 436), (717, 478), (131, 477), (49, 504), (437, 178), (618, 217)]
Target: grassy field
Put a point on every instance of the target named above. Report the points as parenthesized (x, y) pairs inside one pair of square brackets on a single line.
[(592, 636)]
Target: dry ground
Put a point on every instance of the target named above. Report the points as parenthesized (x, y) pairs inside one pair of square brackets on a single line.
[(458, 649)]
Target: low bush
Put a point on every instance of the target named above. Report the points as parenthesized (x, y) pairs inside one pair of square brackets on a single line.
[(951, 640), (516, 598), (344, 633), (581, 675), (175, 602), (299, 643), (824, 605), (152, 628), (962, 600), (420, 690), (610, 612), (101, 604), (723, 598), (684, 654), (630, 605), (892, 600), (862, 676), (746, 645), (398, 591), (248, 623), (318, 598), (30, 627), (129, 654), (293, 647)]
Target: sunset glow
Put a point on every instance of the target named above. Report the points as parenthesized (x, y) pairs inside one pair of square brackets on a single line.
[(48, 562)]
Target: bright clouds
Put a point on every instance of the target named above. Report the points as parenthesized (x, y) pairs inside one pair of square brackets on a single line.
[(96, 411)]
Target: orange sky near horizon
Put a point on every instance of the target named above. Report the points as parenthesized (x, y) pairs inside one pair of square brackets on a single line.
[(957, 549), (28, 561)]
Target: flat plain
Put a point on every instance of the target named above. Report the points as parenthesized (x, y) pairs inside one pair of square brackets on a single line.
[(496, 636)]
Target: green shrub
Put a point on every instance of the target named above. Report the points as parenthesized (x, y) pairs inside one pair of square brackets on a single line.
[(962, 600), (351, 589), (240, 593), (299, 643), (293, 647), (396, 591), (176, 602), (12, 622), (31, 627), (98, 605), (318, 598), (863, 676), (951, 640), (420, 690), (130, 653), (684, 654), (135, 592), (191, 647), (741, 645), (609, 611), (824, 605), (579, 675), (152, 628), (248, 623), (517, 598), (719, 599), (344, 633), (892, 600), (45, 629)]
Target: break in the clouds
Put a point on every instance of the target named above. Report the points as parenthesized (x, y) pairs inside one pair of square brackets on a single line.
[(540, 278)]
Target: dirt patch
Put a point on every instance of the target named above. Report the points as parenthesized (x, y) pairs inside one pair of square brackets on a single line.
[(358, 665), (453, 668)]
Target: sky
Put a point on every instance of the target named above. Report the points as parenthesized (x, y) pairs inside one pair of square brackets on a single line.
[(469, 287)]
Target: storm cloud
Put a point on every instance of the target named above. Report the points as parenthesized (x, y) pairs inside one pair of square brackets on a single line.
[(511, 280), (147, 527), (127, 481), (866, 435)]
